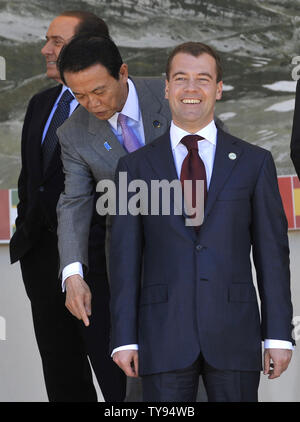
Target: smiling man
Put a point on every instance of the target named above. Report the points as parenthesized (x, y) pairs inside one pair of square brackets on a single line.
[(183, 301), (64, 344), (60, 32)]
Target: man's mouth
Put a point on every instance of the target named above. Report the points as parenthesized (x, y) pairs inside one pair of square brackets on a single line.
[(191, 101), (99, 113), (51, 63)]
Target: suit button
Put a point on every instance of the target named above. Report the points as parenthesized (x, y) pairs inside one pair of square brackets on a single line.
[(41, 188), (199, 248)]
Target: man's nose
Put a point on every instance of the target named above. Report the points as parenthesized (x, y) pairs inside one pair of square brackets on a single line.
[(47, 49), (94, 101), (191, 85)]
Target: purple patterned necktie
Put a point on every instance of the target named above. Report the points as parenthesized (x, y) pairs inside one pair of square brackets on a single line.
[(131, 142)]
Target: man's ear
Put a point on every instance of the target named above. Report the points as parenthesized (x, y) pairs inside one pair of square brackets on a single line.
[(167, 89), (219, 90), (123, 72)]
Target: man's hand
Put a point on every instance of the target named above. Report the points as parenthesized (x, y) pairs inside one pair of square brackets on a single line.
[(128, 361), (276, 361), (78, 298)]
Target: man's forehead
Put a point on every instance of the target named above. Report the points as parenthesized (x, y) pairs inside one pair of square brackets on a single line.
[(202, 57), (185, 62), (62, 27)]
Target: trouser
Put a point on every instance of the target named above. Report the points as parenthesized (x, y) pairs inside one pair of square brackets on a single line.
[(63, 341), (220, 385)]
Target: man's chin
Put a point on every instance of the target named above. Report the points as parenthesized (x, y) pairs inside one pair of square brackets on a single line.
[(103, 116), (52, 74)]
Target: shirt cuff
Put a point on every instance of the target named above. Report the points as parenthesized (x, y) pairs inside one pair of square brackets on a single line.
[(127, 347), (278, 344), (71, 269)]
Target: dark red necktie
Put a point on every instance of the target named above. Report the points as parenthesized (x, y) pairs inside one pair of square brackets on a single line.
[(193, 167)]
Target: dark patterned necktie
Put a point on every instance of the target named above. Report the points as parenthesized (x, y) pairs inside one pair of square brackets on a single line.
[(50, 143), (131, 142), (192, 169)]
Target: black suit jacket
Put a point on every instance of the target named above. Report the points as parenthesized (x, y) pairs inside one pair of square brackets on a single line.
[(197, 292), (295, 141), (38, 193)]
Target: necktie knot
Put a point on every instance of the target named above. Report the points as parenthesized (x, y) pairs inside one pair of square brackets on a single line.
[(122, 119), (66, 98), (191, 141)]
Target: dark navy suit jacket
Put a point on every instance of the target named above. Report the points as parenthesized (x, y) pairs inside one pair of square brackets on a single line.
[(295, 141), (39, 193), (176, 293)]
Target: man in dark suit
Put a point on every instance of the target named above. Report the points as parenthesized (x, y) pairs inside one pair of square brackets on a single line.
[(64, 343), (195, 310), (295, 141)]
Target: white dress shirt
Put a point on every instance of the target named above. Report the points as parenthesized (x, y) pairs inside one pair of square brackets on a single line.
[(207, 149), (131, 109)]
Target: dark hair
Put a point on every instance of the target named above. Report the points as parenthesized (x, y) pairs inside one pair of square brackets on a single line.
[(195, 49), (89, 23), (84, 51)]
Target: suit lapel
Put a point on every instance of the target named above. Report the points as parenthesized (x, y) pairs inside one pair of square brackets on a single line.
[(161, 159), (228, 152), (104, 141), (154, 122)]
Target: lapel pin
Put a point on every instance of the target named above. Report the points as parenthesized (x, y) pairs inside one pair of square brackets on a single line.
[(107, 146), (232, 156), (156, 123)]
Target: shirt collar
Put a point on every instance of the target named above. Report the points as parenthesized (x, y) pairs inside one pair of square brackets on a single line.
[(209, 133), (131, 107)]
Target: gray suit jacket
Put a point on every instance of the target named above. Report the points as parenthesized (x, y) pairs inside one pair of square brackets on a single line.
[(86, 161)]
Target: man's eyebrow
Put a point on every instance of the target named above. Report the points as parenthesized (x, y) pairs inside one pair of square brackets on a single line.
[(95, 89), (98, 87), (181, 72), (55, 37)]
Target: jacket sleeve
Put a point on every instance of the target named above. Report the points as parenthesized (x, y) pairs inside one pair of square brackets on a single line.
[(75, 205), (295, 140), (22, 181), (126, 251), (271, 254)]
